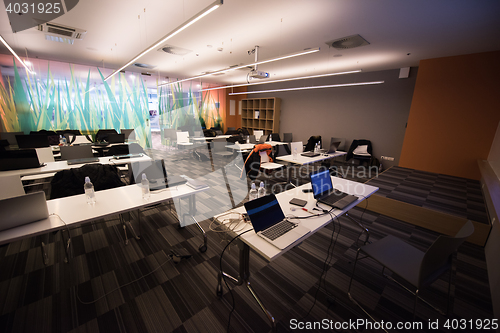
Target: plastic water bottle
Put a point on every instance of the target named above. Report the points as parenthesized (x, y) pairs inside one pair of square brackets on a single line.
[(262, 190), (253, 194), (89, 191), (145, 187), (248, 138), (64, 142), (295, 154), (60, 139)]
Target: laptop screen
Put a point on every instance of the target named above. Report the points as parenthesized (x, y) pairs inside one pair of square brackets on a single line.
[(154, 171), (333, 147), (321, 183), (264, 212), (18, 159)]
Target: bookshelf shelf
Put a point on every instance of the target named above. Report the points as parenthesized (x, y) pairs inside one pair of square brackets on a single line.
[(261, 114)]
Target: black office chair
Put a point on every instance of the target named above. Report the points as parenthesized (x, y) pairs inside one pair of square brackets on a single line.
[(275, 137), (416, 267), (287, 137), (311, 143), (102, 134), (360, 150)]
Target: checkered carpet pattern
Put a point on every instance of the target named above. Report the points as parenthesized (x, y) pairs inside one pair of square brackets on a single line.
[(108, 286)]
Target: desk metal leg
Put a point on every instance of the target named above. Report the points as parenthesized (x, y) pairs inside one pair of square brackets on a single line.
[(244, 275), (66, 247), (192, 212)]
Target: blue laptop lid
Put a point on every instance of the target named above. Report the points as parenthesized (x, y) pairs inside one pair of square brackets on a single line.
[(321, 183), (264, 212)]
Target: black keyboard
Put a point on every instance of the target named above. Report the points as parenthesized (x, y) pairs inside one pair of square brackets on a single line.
[(278, 229), (334, 197)]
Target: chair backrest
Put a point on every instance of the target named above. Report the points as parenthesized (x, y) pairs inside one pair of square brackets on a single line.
[(182, 137), (45, 154), (170, 133), (275, 137), (341, 147), (129, 133), (258, 133), (297, 145), (11, 186), (264, 157), (438, 256), (74, 152), (311, 143), (32, 141), (231, 128), (287, 137), (10, 136), (79, 139), (102, 134)]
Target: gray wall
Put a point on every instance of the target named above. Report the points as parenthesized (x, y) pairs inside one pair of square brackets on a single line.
[(375, 112)]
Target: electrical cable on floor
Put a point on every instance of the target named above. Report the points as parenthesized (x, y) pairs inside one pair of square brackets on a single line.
[(325, 263), (224, 278)]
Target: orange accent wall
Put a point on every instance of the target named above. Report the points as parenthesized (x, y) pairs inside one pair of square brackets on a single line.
[(454, 114)]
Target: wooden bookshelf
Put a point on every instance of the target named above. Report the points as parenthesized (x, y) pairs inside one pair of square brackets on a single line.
[(261, 114)]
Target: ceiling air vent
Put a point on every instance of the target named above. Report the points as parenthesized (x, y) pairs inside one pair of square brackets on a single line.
[(348, 42), (61, 30), (138, 64), (170, 49)]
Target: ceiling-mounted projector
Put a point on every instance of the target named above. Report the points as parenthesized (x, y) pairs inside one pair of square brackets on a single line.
[(259, 74)]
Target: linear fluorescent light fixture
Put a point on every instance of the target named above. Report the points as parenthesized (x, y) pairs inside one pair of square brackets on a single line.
[(210, 8), (282, 80), (15, 55), (311, 87), (292, 55)]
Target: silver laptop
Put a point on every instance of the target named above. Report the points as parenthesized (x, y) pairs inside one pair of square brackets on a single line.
[(24, 209), (333, 147), (270, 223)]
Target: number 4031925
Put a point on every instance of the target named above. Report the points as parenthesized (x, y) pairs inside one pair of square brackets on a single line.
[(40, 8)]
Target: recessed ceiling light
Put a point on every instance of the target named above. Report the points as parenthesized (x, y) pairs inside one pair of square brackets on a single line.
[(60, 39)]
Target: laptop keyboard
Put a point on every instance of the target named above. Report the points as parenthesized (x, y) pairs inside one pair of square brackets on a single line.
[(278, 229), (334, 197)]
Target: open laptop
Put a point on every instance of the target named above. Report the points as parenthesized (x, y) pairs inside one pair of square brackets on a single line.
[(333, 147), (19, 159), (15, 213), (156, 174), (270, 223), (32, 141), (324, 192)]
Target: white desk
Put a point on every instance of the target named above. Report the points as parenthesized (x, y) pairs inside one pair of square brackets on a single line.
[(74, 210), (303, 160), (210, 138), (250, 240), (52, 167)]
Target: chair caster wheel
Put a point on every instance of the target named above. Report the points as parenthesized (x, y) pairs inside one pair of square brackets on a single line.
[(178, 254), (219, 290), (202, 248)]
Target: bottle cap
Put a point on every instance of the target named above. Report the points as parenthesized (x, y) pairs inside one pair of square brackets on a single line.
[(87, 179), (262, 184), (144, 176), (253, 185)]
